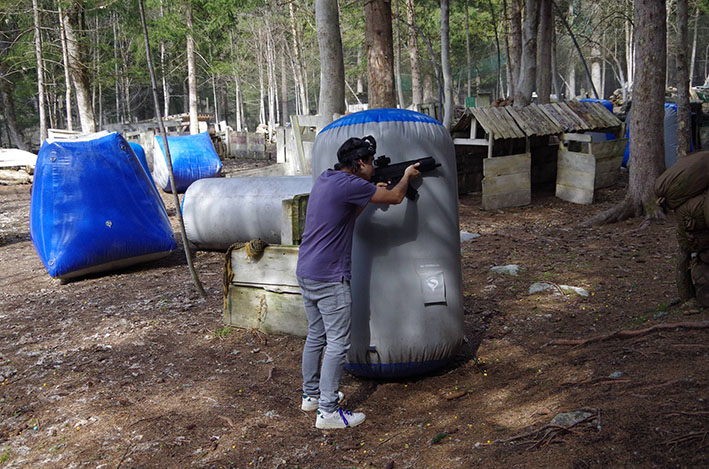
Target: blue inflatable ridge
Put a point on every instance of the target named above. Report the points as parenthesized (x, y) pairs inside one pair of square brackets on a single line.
[(394, 370), (381, 115), (94, 208), (193, 157)]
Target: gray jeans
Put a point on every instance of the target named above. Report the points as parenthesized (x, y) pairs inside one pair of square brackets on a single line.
[(329, 312)]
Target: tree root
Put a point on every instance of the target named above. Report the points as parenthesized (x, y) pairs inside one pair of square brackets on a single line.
[(627, 208), (674, 442), (548, 434), (627, 333)]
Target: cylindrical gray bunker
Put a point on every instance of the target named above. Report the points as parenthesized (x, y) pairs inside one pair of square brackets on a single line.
[(407, 306)]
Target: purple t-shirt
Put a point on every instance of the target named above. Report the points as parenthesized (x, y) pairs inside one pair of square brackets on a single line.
[(325, 253)]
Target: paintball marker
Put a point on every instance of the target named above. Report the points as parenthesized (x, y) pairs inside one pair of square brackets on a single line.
[(386, 172)]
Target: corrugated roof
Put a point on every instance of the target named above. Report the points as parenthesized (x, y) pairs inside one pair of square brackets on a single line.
[(544, 119)]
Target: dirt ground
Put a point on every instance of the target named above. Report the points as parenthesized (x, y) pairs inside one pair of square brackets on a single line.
[(133, 369)]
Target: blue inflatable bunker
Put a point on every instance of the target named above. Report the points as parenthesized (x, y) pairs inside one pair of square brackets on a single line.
[(193, 157), (94, 208)]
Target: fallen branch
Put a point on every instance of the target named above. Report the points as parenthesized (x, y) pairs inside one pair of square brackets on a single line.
[(688, 437), (697, 413), (627, 333)]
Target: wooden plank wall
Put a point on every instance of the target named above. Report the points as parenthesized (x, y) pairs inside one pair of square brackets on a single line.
[(580, 173), (506, 181), (264, 292)]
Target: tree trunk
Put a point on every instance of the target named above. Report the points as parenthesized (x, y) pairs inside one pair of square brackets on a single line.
[(596, 76), (78, 69), (261, 85), (299, 73), (163, 70), (515, 41), (428, 89), (416, 88), (629, 50), (683, 116), (332, 66), (8, 103), (284, 88), (380, 54), (271, 80), (397, 64), (554, 66), (694, 47), (528, 64), (67, 79), (40, 74), (546, 26), (115, 69), (469, 65), (191, 74), (646, 126), (446, 66)]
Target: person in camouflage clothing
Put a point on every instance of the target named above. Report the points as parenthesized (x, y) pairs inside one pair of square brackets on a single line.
[(684, 188)]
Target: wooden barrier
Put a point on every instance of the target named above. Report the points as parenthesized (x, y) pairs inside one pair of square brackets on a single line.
[(264, 294), (591, 166), (506, 181)]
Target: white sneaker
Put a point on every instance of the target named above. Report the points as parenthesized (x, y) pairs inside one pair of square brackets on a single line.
[(311, 403), (341, 418)]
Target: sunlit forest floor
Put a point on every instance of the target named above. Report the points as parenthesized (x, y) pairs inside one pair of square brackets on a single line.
[(133, 369)]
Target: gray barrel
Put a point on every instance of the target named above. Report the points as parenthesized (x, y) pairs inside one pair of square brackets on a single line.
[(407, 303), (221, 212)]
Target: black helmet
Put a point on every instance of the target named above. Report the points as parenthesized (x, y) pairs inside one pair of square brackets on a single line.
[(355, 149)]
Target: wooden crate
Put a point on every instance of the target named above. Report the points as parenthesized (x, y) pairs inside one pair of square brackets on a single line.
[(263, 293), (593, 166), (506, 181)]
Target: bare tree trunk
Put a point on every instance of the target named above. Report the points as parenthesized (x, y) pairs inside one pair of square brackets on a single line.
[(299, 73), (515, 57), (67, 79), (596, 76), (694, 47), (544, 71), (332, 66), (528, 64), (261, 85), (554, 66), (498, 85), (8, 103), (360, 83), (416, 89), (629, 49), (446, 66), (163, 70), (271, 77), (115, 69), (284, 88), (646, 135), (191, 74), (683, 116), (40, 73), (380, 54), (397, 63), (469, 65), (78, 71), (508, 69), (428, 89)]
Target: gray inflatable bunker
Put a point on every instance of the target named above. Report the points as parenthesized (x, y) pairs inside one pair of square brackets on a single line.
[(407, 305), (219, 212)]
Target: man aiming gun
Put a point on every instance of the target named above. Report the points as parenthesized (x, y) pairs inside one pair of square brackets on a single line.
[(338, 196)]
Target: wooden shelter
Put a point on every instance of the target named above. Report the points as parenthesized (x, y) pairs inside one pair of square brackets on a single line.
[(507, 169)]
